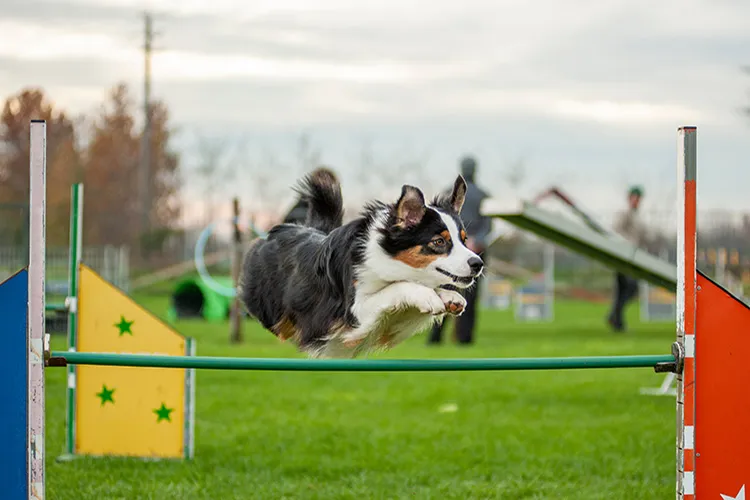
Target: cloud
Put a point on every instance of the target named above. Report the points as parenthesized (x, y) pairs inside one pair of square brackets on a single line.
[(597, 61), (584, 91), (175, 66), (73, 14), (625, 112), (34, 43)]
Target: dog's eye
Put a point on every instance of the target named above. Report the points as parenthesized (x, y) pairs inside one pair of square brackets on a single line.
[(438, 242)]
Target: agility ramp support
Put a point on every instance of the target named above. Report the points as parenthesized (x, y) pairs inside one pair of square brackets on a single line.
[(656, 303), (535, 300)]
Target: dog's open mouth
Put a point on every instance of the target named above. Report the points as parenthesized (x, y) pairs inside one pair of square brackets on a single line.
[(467, 280)]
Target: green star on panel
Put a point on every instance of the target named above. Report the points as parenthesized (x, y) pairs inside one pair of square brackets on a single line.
[(106, 395), (162, 413), (124, 326)]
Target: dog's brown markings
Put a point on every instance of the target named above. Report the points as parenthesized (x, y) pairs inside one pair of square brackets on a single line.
[(386, 338), (285, 328), (463, 235), (415, 258), (338, 327), (352, 343)]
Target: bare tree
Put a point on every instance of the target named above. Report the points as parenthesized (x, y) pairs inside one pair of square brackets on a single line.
[(383, 178), (308, 156), (269, 187), (64, 155), (215, 169), (365, 163), (411, 167), (746, 109), (370, 176), (271, 179), (516, 174)]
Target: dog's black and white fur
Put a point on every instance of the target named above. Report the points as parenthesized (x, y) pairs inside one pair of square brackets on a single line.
[(342, 290)]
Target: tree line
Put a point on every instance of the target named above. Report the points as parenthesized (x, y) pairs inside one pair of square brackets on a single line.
[(101, 150)]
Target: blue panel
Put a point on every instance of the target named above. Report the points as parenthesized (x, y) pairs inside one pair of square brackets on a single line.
[(13, 388)]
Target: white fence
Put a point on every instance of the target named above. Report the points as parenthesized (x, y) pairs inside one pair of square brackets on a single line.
[(112, 263)]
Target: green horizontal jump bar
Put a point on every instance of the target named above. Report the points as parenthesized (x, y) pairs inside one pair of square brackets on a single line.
[(353, 365)]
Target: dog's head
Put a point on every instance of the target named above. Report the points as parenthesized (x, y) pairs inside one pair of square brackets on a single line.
[(426, 243)]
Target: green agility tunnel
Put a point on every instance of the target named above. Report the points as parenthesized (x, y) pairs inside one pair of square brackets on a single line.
[(193, 298)]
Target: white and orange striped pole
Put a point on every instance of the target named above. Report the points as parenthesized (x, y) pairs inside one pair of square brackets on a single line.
[(686, 307), (713, 397), (713, 332)]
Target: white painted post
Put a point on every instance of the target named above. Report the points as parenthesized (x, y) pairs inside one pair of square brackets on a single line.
[(643, 291), (721, 267), (37, 246), (549, 281), (189, 443)]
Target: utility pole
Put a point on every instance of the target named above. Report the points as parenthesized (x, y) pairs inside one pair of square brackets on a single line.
[(145, 170)]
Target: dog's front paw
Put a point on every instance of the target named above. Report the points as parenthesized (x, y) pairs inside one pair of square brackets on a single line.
[(453, 301), (430, 303)]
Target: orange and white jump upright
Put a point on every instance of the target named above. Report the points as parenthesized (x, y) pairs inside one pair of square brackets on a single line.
[(713, 395)]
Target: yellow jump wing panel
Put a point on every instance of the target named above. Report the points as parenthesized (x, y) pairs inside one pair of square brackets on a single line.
[(124, 411)]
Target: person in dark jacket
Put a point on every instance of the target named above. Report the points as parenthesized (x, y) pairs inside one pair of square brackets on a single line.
[(478, 229), (298, 213)]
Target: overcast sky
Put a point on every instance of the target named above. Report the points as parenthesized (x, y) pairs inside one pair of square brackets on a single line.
[(588, 94)]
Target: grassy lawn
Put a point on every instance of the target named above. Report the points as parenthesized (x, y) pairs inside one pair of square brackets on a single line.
[(584, 434)]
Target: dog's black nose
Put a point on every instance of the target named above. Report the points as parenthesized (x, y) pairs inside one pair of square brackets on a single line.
[(476, 265)]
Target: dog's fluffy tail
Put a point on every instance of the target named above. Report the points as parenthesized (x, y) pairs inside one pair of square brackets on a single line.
[(325, 205)]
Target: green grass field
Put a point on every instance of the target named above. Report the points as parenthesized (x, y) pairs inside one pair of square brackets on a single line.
[(583, 434)]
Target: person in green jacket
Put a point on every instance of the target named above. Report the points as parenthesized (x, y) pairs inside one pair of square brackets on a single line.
[(628, 225)]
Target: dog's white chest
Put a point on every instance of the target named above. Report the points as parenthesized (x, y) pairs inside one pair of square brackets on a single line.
[(387, 331), (386, 318), (390, 316)]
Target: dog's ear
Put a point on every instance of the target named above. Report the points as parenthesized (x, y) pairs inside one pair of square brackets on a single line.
[(459, 194), (410, 208)]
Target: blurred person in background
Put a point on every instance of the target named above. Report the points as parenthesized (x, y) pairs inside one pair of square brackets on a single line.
[(298, 213), (478, 228), (628, 225)]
